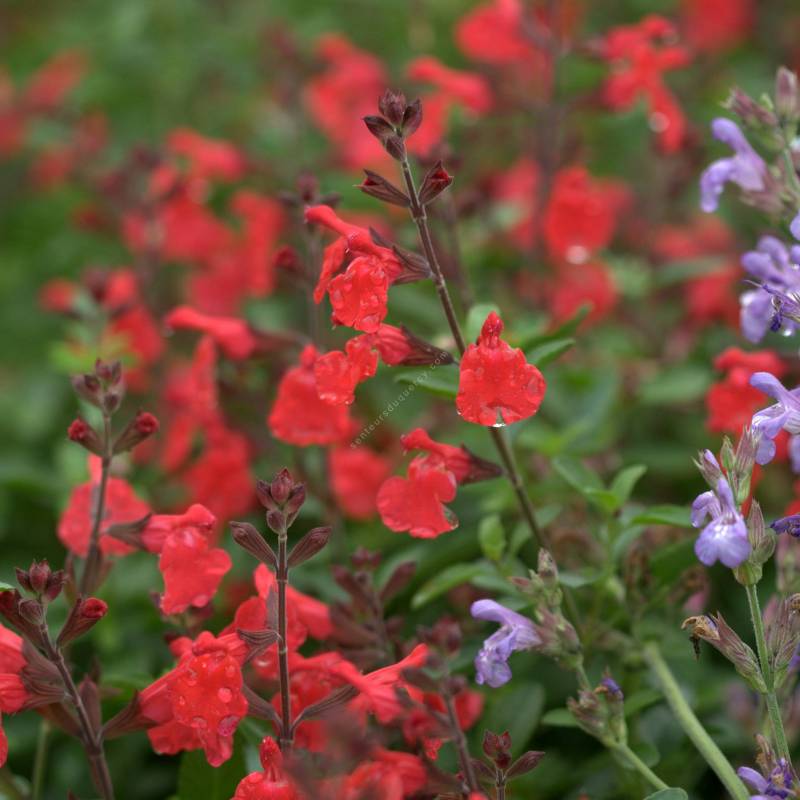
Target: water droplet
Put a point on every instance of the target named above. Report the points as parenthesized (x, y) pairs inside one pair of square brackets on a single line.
[(230, 671), (224, 694), (577, 254), (658, 122), (191, 677), (199, 722), (227, 725)]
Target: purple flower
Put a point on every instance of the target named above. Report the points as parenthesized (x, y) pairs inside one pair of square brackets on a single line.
[(745, 167), (775, 269), (770, 421), (779, 784), (790, 525), (724, 538), (515, 633)]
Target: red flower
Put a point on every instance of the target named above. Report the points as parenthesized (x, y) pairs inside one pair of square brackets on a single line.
[(467, 88), (299, 416), (388, 775), (199, 704), (53, 81), (416, 503), (732, 401), (356, 476), (419, 724), (377, 689), (465, 466), (230, 333), (13, 694), (639, 55), (220, 478), (493, 33), (192, 569), (58, 295), (575, 285), (496, 384), (518, 187), (207, 158), (191, 394), (343, 94), (358, 295), (338, 373), (272, 783), (581, 215), (712, 26), (121, 505)]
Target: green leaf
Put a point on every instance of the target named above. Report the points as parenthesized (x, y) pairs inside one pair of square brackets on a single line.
[(6, 587), (668, 794), (492, 537), (577, 579), (577, 474), (442, 384), (682, 384), (447, 579), (516, 709), (664, 515), (625, 480), (638, 701), (196, 778), (604, 498), (559, 718), (544, 353)]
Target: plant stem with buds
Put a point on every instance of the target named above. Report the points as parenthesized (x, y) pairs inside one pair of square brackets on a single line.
[(461, 744), (776, 720), (691, 725), (282, 577), (92, 739), (626, 754), (93, 558)]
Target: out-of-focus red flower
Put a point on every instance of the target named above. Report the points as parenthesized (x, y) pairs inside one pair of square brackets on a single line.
[(233, 335), (338, 373), (208, 159), (581, 215), (639, 55), (420, 726), (220, 478), (377, 689), (712, 26), (53, 81), (121, 505), (356, 476), (272, 783), (416, 503), (574, 285), (191, 396), (299, 416), (732, 401), (710, 297), (58, 295), (388, 775), (345, 92), (13, 694), (496, 384), (518, 187), (199, 704)]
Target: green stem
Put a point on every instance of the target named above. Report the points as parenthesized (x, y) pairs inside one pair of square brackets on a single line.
[(776, 721), (788, 160), (40, 760), (628, 755), (692, 726), (8, 784)]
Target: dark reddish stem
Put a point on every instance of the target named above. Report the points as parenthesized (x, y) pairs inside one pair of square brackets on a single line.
[(91, 738), (461, 744), (91, 569), (282, 576)]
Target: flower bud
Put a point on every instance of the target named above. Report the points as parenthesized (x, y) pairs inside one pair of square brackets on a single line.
[(41, 581), (89, 388), (787, 100), (762, 540), (709, 468), (497, 748), (434, 183), (314, 541), (382, 189), (84, 434), (525, 764), (392, 105), (84, 615), (249, 539), (751, 113), (281, 486), (141, 427)]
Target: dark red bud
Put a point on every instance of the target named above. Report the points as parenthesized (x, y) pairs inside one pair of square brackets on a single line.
[(281, 486), (525, 763), (392, 105), (85, 435), (381, 189), (434, 183), (394, 147), (249, 539), (88, 387), (83, 616), (141, 427), (314, 541), (412, 118), (379, 128)]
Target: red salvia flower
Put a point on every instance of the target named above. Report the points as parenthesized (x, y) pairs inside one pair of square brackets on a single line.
[(581, 215), (53, 81), (208, 159), (416, 503), (231, 334), (640, 54), (712, 26), (497, 385), (357, 474), (518, 187), (575, 285), (272, 783), (199, 704), (122, 505), (338, 373), (465, 466), (732, 401), (388, 775), (299, 416), (13, 694)]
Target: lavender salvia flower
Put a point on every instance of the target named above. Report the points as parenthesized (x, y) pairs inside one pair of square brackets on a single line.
[(790, 525), (724, 538), (745, 167), (515, 633), (770, 421), (773, 305), (779, 783)]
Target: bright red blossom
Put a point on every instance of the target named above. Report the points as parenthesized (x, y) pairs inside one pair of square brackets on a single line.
[(338, 373), (231, 334), (356, 476), (299, 416), (496, 384)]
